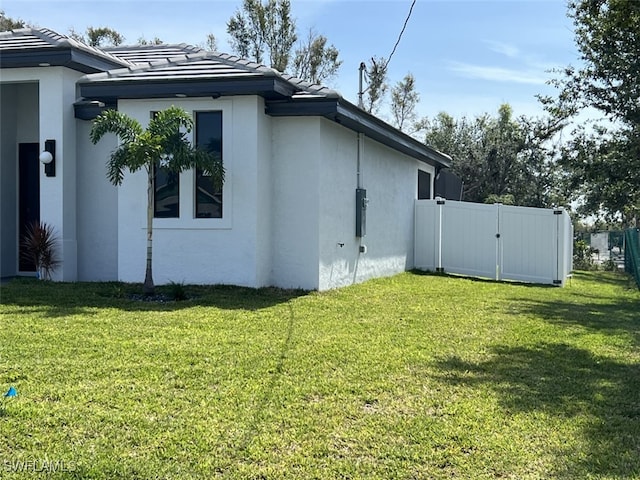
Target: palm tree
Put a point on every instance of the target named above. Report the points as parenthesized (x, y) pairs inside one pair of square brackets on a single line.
[(165, 143)]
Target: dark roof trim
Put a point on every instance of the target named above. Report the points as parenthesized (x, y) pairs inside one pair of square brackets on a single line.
[(90, 109), (110, 91), (356, 119), (57, 57)]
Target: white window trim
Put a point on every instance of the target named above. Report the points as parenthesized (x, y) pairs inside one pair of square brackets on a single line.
[(187, 219), (431, 171)]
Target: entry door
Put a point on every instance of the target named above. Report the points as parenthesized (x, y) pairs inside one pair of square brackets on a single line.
[(28, 196)]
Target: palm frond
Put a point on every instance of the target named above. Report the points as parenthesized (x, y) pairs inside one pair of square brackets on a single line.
[(167, 122), (118, 161), (211, 164), (111, 121)]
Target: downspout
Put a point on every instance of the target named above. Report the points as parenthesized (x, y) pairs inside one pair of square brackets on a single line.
[(361, 105), (358, 159)]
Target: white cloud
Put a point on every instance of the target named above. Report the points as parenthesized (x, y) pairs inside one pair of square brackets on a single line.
[(498, 74), (510, 51)]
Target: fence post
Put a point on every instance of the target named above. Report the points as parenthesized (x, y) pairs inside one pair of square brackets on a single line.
[(440, 203), (499, 259)]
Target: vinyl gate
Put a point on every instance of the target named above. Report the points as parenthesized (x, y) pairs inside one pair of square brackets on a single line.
[(494, 241)]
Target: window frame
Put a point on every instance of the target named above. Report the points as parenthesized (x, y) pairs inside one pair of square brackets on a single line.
[(187, 219), (431, 176), (195, 173), (156, 167)]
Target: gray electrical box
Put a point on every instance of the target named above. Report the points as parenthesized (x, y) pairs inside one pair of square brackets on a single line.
[(361, 212)]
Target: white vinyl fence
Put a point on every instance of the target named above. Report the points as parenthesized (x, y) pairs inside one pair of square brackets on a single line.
[(501, 242)]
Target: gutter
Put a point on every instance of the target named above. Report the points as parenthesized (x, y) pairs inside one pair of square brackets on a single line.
[(345, 113)]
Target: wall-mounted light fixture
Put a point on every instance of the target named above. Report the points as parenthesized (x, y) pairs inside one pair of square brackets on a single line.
[(48, 158)]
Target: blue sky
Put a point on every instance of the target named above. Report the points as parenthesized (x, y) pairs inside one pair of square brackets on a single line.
[(468, 56)]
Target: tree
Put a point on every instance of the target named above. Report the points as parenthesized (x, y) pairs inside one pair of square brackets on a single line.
[(98, 37), (258, 29), (211, 44), (607, 34), (603, 173), (8, 23), (404, 99), (376, 75), (163, 143), (266, 33), (144, 41), (602, 164), (314, 60), (501, 158)]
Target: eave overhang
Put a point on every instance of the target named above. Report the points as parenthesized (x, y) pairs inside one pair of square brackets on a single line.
[(356, 119), (74, 59), (90, 109), (109, 91)]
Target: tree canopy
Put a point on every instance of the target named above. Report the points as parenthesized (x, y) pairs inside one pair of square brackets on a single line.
[(266, 33), (500, 158), (404, 99), (8, 23), (602, 163), (98, 37)]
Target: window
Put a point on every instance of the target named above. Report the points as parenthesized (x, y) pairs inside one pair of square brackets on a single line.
[(424, 185), (166, 195), (208, 198)]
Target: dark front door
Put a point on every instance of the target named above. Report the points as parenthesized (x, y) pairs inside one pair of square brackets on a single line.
[(28, 196)]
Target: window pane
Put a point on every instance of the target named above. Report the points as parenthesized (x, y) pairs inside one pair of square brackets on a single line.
[(167, 193), (208, 137), (424, 185)]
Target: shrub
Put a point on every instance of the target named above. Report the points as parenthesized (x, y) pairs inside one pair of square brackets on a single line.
[(39, 245), (178, 292), (582, 259)]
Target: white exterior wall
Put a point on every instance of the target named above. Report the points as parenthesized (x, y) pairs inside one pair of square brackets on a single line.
[(391, 181), (20, 123), (199, 250), (55, 98), (297, 152), (58, 194), (289, 198), (264, 190), (315, 178), (97, 213)]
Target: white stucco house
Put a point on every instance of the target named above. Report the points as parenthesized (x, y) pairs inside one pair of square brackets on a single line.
[(296, 157)]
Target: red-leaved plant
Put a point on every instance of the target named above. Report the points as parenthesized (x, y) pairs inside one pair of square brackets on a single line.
[(39, 244)]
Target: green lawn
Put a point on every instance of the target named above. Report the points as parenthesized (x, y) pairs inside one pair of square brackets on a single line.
[(414, 376)]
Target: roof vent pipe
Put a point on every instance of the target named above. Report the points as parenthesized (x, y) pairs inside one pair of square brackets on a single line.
[(360, 92)]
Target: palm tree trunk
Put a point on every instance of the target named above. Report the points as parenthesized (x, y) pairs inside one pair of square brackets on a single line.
[(148, 287)]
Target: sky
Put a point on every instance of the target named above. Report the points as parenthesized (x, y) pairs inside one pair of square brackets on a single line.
[(467, 56)]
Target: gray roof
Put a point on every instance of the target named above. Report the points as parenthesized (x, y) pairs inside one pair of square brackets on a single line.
[(152, 53), (187, 71), (181, 66), (32, 47), (164, 71)]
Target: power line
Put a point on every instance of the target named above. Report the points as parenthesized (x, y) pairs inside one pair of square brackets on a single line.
[(363, 69), (401, 33)]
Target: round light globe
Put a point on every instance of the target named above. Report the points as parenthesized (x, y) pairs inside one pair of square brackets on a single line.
[(46, 158)]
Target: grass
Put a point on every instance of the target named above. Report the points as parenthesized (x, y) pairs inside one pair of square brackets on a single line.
[(414, 376)]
